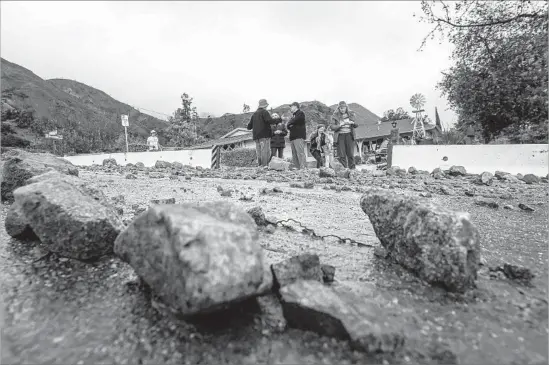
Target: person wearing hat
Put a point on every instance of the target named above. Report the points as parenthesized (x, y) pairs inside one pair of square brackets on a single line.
[(260, 125), (152, 141), (343, 124), (298, 134), (278, 141)]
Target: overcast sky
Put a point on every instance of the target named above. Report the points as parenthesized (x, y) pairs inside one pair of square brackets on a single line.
[(225, 54)]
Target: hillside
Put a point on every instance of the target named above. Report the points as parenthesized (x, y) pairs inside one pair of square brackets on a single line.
[(315, 113), (88, 118)]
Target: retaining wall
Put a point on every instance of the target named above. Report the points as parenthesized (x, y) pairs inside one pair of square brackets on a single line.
[(195, 158), (512, 158)]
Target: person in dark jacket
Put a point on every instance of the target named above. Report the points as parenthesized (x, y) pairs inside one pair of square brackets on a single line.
[(298, 134), (343, 124), (260, 125), (319, 140), (278, 141)]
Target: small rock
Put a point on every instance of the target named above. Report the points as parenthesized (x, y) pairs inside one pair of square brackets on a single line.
[(308, 185), (162, 164), (270, 229), (412, 170), (469, 192), (328, 273), (381, 252), (131, 177), (508, 207), (276, 189), (296, 185), (378, 173), (329, 311), (156, 175), (326, 172), (109, 162), (457, 171), (486, 203), (139, 165), (426, 195), (486, 178), (305, 266), (344, 174), (506, 196), (446, 190), (174, 177), (163, 201), (258, 216), (518, 273), (525, 207), (531, 179), (500, 175)]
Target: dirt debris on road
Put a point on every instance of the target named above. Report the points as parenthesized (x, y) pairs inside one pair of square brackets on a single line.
[(63, 310)]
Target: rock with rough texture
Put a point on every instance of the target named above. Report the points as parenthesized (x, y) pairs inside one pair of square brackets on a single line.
[(109, 162), (328, 273), (481, 202), (301, 267), (177, 165), (438, 174), (197, 258), (525, 207), (329, 311), (326, 172), (131, 177), (21, 166), (378, 173), (258, 216), (486, 178), (17, 225), (139, 165), (278, 164), (438, 245), (336, 165), (272, 316), (500, 175), (412, 170), (457, 171), (344, 174), (162, 164), (531, 179), (156, 175), (71, 222), (163, 201)]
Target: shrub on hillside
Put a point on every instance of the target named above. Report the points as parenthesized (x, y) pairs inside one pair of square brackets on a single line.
[(10, 140), (241, 157)]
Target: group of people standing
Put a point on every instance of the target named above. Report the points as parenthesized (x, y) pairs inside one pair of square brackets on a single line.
[(269, 133)]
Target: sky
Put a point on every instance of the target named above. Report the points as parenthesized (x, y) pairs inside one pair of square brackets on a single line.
[(225, 54)]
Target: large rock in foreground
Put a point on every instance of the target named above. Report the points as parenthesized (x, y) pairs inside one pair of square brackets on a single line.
[(22, 165), (73, 224), (312, 306), (197, 258), (438, 245)]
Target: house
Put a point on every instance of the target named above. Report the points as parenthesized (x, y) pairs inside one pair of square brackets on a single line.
[(369, 135), (242, 138)]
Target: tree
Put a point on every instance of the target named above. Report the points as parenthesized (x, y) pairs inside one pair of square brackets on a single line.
[(499, 78), (392, 115), (245, 108), (182, 131)]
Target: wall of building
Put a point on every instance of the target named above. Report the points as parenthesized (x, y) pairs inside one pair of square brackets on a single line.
[(186, 157), (518, 158)]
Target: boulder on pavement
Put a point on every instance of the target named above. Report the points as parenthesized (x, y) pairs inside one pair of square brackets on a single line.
[(72, 223), (21, 166), (197, 258), (278, 164), (438, 245), (329, 311), (457, 171), (301, 267)]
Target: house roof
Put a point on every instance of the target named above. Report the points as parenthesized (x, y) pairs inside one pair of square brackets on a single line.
[(223, 141), (234, 131), (376, 131)]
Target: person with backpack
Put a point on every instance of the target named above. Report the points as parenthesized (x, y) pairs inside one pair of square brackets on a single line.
[(343, 124), (260, 125)]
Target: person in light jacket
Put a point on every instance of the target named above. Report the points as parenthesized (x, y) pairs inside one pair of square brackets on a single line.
[(343, 124)]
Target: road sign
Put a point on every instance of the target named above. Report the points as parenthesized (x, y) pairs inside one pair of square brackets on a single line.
[(125, 121)]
